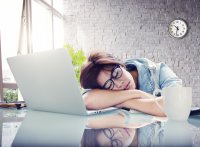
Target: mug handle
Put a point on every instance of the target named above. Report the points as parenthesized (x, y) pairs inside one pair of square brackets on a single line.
[(156, 91)]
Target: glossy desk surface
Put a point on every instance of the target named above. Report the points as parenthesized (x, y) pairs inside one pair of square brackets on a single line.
[(116, 128)]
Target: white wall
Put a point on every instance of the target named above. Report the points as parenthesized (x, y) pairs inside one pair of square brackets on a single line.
[(138, 28)]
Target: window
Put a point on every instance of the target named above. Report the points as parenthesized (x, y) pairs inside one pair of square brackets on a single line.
[(41, 27), (27, 26)]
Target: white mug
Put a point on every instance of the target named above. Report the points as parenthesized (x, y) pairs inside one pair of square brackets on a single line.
[(177, 102)]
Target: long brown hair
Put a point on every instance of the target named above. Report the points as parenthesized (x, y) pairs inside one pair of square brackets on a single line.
[(89, 138), (96, 62)]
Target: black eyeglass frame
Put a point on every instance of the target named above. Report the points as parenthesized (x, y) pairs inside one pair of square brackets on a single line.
[(114, 142), (112, 83)]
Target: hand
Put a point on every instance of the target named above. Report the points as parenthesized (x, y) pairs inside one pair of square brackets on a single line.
[(177, 29)]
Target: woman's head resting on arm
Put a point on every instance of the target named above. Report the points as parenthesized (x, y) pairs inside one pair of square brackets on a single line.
[(103, 71), (108, 137)]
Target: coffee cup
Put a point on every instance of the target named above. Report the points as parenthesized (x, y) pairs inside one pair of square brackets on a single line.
[(177, 102)]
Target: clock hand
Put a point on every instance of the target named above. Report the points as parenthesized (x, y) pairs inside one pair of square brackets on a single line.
[(176, 27), (176, 31)]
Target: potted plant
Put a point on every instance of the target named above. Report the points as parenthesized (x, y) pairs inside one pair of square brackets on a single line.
[(78, 57)]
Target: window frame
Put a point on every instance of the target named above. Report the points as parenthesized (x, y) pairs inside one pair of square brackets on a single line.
[(26, 9)]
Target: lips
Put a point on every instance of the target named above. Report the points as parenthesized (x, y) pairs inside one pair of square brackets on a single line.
[(127, 131), (127, 86)]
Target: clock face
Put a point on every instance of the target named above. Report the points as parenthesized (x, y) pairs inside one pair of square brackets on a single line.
[(178, 28)]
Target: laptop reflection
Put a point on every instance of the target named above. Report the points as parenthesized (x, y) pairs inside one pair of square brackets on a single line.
[(50, 129)]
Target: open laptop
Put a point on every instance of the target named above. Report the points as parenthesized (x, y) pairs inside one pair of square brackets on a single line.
[(47, 82)]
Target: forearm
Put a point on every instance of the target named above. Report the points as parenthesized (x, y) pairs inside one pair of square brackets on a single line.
[(145, 105), (100, 99), (110, 121)]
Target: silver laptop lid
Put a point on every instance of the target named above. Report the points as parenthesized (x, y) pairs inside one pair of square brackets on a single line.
[(47, 82)]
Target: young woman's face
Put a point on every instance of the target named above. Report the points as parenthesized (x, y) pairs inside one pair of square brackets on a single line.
[(116, 137), (116, 79)]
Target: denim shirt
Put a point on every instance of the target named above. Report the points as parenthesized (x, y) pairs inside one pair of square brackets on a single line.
[(164, 77), (147, 70)]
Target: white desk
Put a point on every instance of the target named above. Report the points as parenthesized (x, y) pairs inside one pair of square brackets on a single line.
[(42, 128)]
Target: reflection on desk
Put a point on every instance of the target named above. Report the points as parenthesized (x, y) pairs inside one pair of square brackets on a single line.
[(116, 128), (50, 129), (177, 133)]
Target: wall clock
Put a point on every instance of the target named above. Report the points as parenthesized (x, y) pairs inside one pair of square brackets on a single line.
[(178, 28)]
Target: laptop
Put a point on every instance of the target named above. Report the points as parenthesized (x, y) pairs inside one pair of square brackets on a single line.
[(47, 82), (50, 129)]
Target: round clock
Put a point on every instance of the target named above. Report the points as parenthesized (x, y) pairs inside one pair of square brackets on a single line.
[(178, 28)]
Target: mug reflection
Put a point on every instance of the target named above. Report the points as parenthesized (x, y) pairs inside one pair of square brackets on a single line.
[(177, 133)]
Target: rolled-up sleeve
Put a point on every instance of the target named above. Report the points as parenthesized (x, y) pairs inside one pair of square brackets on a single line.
[(167, 77)]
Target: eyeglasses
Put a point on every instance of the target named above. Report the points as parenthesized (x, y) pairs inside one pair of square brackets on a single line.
[(109, 133), (116, 73)]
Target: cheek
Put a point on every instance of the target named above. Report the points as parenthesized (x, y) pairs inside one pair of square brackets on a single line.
[(133, 86), (125, 139), (128, 141), (129, 77)]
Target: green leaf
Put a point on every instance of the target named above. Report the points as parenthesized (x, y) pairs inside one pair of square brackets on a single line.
[(77, 56)]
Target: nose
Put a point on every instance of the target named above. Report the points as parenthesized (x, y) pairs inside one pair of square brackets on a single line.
[(118, 133), (119, 83)]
